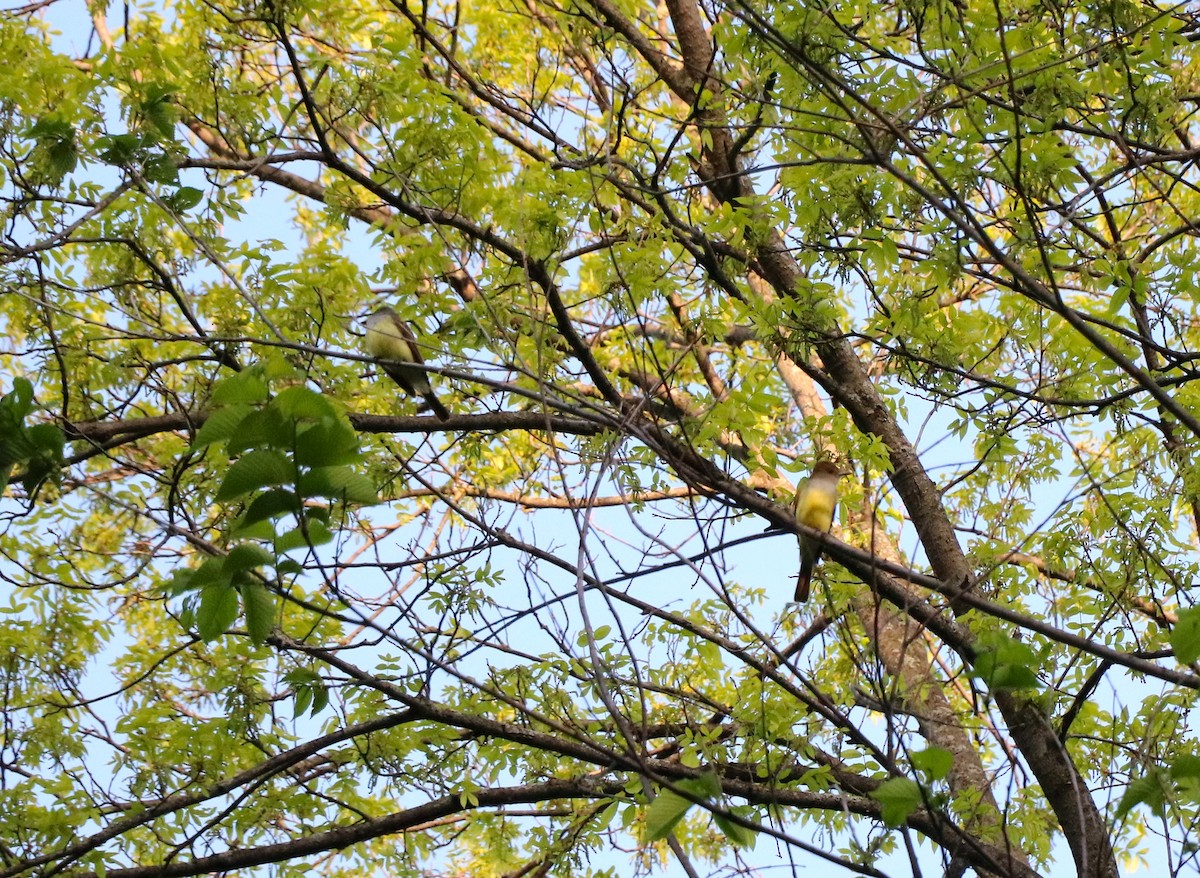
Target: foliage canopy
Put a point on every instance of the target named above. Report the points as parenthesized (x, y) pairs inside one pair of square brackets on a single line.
[(264, 611)]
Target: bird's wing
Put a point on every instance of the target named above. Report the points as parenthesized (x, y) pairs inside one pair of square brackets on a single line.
[(399, 375), (409, 336)]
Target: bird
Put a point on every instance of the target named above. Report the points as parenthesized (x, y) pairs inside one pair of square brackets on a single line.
[(392, 341), (814, 505)]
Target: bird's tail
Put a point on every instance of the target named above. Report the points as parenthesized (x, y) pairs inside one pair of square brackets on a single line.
[(803, 582), (439, 411)]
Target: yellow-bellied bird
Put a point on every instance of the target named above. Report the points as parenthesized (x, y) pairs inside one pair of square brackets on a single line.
[(392, 341), (816, 500)]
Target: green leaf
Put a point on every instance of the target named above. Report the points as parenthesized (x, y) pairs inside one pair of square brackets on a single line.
[(302, 403), (314, 534), (118, 149), (309, 688), (304, 699), (263, 531), (160, 168), (211, 570), (740, 835), (268, 505), (338, 483), (934, 761), (62, 159), (244, 387), (899, 797), (47, 440), (320, 698), (179, 583), (185, 198), (664, 813), (259, 605), (606, 816), (218, 610), (274, 366), (19, 401), (707, 785), (43, 447), (1185, 771), (1004, 663), (15, 446), (264, 428), (669, 807), (56, 152), (49, 128), (1185, 636), (1186, 766), (327, 444), (1149, 790), (258, 469), (158, 111), (220, 425), (247, 556)]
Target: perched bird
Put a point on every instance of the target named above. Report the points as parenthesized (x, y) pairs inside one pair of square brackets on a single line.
[(816, 499), (391, 340)]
